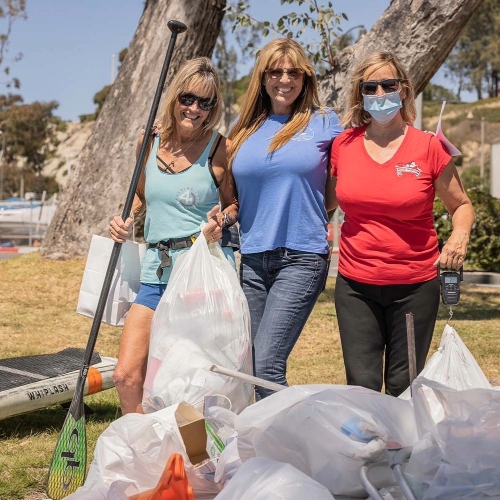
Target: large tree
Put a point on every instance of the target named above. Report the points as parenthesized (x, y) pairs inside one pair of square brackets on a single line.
[(420, 32), (102, 176)]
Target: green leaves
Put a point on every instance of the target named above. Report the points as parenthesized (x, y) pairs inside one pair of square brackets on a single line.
[(318, 22)]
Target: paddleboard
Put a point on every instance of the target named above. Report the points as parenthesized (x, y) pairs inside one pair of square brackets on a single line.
[(30, 383)]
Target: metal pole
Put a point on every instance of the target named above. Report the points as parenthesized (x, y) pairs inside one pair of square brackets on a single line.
[(410, 336), (1, 164), (481, 163)]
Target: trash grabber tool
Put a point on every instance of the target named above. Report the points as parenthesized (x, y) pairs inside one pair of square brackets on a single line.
[(67, 469), (248, 378)]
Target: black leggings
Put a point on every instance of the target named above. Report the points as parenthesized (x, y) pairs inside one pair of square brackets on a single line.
[(372, 319)]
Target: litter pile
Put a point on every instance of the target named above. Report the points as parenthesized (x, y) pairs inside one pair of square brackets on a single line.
[(203, 439)]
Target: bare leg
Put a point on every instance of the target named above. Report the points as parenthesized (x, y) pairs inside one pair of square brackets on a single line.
[(130, 371)]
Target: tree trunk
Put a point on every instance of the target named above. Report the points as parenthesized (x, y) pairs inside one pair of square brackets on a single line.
[(420, 32), (98, 188)]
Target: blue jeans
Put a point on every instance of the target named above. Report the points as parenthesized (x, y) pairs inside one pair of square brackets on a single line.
[(281, 287)]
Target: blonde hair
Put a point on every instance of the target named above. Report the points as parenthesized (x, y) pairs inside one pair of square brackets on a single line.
[(196, 73), (256, 106), (356, 116)]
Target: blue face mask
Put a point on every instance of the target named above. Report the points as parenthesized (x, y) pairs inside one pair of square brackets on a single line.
[(382, 108)]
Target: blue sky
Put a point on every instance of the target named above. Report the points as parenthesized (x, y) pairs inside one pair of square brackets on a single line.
[(67, 45)]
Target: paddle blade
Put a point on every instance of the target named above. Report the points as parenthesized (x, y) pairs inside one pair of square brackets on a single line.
[(67, 469)]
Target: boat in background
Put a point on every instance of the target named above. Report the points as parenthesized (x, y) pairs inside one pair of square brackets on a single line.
[(26, 220)]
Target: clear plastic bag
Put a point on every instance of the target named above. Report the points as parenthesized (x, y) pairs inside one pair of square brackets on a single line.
[(327, 432), (453, 365), (131, 454), (202, 319), (458, 455)]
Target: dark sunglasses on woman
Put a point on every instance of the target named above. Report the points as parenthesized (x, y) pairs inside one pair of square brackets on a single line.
[(277, 73), (389, 85), (204, 103)]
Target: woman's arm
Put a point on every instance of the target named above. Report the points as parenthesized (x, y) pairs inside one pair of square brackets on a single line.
[(451, 191), (331, 202), (227, 188)]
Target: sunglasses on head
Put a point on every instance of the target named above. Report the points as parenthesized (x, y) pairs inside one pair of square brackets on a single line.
[(389, 85), (204, 103), (277, 73)]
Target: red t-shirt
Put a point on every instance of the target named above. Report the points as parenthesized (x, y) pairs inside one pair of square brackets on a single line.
[(388, 234)]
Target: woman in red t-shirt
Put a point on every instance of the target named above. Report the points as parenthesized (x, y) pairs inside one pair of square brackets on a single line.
[(386, 174)]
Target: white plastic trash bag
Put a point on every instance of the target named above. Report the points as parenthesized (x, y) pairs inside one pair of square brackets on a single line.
[(453, 365), (265, 479), (458, 455), (328, 432), (131, 454), (202, 319)]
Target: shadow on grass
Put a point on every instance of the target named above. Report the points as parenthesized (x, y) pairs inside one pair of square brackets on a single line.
[(475, 305), (51, 419)]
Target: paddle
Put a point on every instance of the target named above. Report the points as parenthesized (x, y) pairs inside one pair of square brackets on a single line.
[(67, 469)]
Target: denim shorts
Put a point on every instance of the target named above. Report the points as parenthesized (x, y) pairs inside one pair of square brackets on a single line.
[(150, 293)]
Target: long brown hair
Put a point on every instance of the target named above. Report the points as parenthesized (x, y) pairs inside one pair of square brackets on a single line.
[(256, 106), (356, 116)]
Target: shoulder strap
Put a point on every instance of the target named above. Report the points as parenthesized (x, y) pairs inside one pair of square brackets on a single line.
[(211, 156)]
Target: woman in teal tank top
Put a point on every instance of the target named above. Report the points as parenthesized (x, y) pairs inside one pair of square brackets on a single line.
[(181, 185)]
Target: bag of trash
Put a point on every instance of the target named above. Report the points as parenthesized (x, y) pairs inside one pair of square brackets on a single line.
[(453, 365), (173, 484), (458, 455), (263, 479), (131, 454), (202, 319), (328, 432)]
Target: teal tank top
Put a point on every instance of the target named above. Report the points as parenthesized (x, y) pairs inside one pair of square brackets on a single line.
[(176, 205)]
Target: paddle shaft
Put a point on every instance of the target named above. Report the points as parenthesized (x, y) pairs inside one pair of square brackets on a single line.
[(67, 469)]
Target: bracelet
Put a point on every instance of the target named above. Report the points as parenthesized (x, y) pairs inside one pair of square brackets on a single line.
[(227, 219)]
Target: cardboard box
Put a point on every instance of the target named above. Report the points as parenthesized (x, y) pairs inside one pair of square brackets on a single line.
[(191, 425)]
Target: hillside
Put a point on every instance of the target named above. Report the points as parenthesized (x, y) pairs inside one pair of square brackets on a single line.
[(461, 124), (71, 143)]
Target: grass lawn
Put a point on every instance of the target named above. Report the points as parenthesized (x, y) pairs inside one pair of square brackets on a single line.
[(37, 316)]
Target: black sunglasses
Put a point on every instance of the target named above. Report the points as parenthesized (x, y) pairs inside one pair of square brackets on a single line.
[(388, 85), (277, 73), (204, 103)]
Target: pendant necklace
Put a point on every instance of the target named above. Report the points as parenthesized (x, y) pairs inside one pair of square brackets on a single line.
[(170, 165)]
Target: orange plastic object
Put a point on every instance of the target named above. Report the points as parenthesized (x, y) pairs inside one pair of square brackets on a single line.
[(173, 484)]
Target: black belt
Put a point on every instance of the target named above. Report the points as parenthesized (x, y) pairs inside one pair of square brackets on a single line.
[(171, 244)]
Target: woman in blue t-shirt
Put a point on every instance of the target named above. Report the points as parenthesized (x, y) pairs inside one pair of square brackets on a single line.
[(279, 158)]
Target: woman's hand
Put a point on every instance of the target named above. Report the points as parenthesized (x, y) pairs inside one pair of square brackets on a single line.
[(454, 251), (213, 231), (119, 230)]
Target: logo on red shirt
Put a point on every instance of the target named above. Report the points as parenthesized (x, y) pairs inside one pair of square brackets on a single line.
[(412, 168)]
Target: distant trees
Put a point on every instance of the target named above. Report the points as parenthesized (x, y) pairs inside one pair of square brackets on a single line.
[(29, 130), (475, 60), (438, 93)]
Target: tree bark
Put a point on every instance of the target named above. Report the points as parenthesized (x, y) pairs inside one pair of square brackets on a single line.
[(420, 32), (100, 182)]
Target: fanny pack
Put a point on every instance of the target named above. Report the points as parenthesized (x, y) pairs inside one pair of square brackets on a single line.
[(171, 244)]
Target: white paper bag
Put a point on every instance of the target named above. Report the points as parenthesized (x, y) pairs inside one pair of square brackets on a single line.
[(124, 285)]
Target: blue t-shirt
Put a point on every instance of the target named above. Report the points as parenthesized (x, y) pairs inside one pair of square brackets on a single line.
[(282, 194)]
